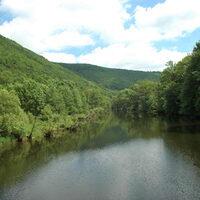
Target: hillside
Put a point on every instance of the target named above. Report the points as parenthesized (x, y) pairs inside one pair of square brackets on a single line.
[(18, 63), (38, 96), (115, 79)]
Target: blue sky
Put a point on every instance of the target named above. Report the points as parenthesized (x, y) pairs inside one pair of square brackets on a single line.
[(128, 34)]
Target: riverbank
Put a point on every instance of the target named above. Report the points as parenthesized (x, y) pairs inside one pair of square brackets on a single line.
[(73, 123)]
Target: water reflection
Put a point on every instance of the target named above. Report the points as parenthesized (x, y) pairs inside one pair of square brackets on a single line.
[(116, 158)]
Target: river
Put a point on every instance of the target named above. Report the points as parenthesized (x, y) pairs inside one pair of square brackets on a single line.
[(113, 159)]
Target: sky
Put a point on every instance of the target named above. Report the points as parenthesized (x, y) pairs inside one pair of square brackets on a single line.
[(126, 34)]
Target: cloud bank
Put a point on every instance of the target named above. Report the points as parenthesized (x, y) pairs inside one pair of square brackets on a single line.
[(112, 33)]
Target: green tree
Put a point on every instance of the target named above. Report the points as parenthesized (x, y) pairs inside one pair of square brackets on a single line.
[(190, 92), (141, 97), (32, 96), (171, 84), (122, 101), (13, 120)]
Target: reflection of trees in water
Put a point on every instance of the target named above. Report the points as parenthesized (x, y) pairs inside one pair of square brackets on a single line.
[(188, 144), (141, 126), (182, 134), (17, 160)]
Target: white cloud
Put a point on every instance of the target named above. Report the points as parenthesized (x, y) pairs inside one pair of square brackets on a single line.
[(47, 17), (134, 56), (65, 40), (60, 57), (39, 37), (169, 19), (55, 25)]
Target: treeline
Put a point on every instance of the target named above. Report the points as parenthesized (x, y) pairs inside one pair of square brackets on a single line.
[(31, 106), (38, 97), (177, 92)]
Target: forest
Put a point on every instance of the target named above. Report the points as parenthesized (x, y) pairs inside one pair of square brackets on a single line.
[(38, 97), (176, 94)]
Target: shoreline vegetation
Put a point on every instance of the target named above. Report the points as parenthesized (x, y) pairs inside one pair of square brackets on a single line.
[(78, 121), (30, 108)]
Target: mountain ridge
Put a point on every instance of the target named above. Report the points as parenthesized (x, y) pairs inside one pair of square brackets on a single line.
[(111, 78)]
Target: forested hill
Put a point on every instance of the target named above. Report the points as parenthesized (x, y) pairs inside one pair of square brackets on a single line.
[(38, 96), (18, 64), (115, 79)]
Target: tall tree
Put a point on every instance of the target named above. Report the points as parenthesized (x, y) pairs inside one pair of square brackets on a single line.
[(13, 120), (190, 92), (32, 96)]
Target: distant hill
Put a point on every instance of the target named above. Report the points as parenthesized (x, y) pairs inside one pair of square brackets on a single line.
[(115, 79), (18, 64)]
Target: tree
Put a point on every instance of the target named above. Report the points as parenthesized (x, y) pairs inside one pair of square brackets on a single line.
[(171, 84), (122, 101), (190, 92), (143, 96), (32, 96), (13, 120), (140, 97)]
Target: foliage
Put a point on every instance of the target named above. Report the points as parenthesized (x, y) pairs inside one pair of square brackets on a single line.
[(115, 79), (37, 96), (171, 85), (177, 93), (190, 93), (140, 97), (32, 96), (13, 120)]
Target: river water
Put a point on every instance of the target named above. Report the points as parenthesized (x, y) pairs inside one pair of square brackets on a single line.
[(113, 159)]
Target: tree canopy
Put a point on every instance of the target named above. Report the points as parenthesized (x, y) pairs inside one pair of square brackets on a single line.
[(177, 92)]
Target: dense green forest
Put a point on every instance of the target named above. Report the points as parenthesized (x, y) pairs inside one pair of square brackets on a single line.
[(38, 97), (177, 93), (115, 79)]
